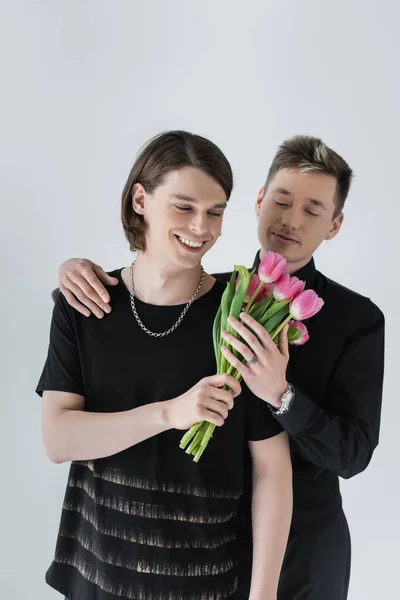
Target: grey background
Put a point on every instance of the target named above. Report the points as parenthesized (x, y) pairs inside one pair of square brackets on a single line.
[(83, 85)]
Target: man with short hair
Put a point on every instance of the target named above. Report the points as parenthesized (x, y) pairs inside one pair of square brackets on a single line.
[(140, 519), (330, 400)]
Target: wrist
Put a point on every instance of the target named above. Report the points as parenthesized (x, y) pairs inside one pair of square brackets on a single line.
[(276, 403), (164, 410), (286, 401), (157, 414)]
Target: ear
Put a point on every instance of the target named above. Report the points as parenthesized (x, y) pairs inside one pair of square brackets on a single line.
[(139, 196), (335, 227), (259, 200)]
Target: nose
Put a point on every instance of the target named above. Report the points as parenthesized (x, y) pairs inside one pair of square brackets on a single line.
[(291, 218), (198, 223)]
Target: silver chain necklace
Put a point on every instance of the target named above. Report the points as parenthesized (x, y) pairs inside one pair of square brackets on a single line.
[(179, 321)]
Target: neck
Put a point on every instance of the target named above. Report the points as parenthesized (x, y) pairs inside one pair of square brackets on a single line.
[(161, 283), (291, 266)]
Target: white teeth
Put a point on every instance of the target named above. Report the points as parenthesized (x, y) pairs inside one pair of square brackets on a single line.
[(190, 243)]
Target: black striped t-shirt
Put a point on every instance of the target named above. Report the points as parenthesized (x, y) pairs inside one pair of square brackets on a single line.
[(148, 523)]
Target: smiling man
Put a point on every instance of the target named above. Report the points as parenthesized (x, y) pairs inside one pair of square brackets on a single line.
[(329, 398), (140, 520)]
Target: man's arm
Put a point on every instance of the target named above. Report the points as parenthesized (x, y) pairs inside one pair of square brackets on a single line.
[(70, 433), (271, 513), (343, 436)]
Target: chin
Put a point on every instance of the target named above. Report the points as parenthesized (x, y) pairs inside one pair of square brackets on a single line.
[(290, 252), (188, 262)]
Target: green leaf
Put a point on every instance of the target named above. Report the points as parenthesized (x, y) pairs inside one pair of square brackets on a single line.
[(272, 323), (217, 337), (226, 302), (259, 309), (272, 310), (237, 302), (293, 334), (238, 298)]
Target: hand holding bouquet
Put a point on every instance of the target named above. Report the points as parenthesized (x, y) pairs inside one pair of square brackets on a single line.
[(274, 299)]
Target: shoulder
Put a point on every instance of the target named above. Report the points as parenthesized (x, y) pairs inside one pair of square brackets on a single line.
[(356, 305), (222, 277), (217, 290), (56, 293)]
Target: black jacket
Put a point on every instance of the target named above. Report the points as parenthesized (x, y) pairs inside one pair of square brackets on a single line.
[(334, 420)]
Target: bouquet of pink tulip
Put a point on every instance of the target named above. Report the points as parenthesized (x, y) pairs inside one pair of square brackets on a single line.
[(274, 299)]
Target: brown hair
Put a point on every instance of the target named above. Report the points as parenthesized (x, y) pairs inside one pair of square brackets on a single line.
[(310, 154), (165, 153)]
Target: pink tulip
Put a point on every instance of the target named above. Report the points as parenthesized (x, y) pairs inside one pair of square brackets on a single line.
[(305, 305), (303, 330), (287, 287), (271, 267), (253, 285)]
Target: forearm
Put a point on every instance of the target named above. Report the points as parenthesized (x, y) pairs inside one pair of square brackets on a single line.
[(81, 435), (341, 444), (337, 428), (272, 504)]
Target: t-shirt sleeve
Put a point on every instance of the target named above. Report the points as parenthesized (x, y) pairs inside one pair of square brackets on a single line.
[(260, 424), (62, 369)]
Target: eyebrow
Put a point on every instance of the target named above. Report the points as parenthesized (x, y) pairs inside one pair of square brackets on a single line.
[(310, 200), (194, 201)]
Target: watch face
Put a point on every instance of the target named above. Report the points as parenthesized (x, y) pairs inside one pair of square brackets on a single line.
[(288, 396)]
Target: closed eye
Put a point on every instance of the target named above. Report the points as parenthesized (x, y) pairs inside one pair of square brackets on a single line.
[(311, 213), (281, 203), (189, 208)]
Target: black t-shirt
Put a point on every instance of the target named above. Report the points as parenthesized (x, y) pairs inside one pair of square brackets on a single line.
[(148, 523)]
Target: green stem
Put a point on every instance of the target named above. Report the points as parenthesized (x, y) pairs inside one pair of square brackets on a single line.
[(189, 435), (199, 453), (208, 434), (254, 296), (198, 438)]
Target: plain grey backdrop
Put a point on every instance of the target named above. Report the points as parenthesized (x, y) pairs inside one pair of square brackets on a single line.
[(84, 83)]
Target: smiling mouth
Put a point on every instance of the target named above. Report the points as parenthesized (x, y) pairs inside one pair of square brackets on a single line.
[(188, 244)]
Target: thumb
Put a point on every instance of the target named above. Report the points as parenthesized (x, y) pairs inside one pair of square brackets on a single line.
[(283, 343), (104, 277)]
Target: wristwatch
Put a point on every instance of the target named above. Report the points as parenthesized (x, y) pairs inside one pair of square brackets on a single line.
[(286, 401)]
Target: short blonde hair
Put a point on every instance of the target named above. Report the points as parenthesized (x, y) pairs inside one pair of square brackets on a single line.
[(311, 155)]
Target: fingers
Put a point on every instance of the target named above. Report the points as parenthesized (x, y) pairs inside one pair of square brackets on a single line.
[(212, 417), (90, 285), (87, 292), (86, 276), (238, 345), (105, 278), (222, 395), (220, 408), (235, 362), (70, 298), (258, 329), (247, 335), (78, 296), (283, 342), (219, 381)]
